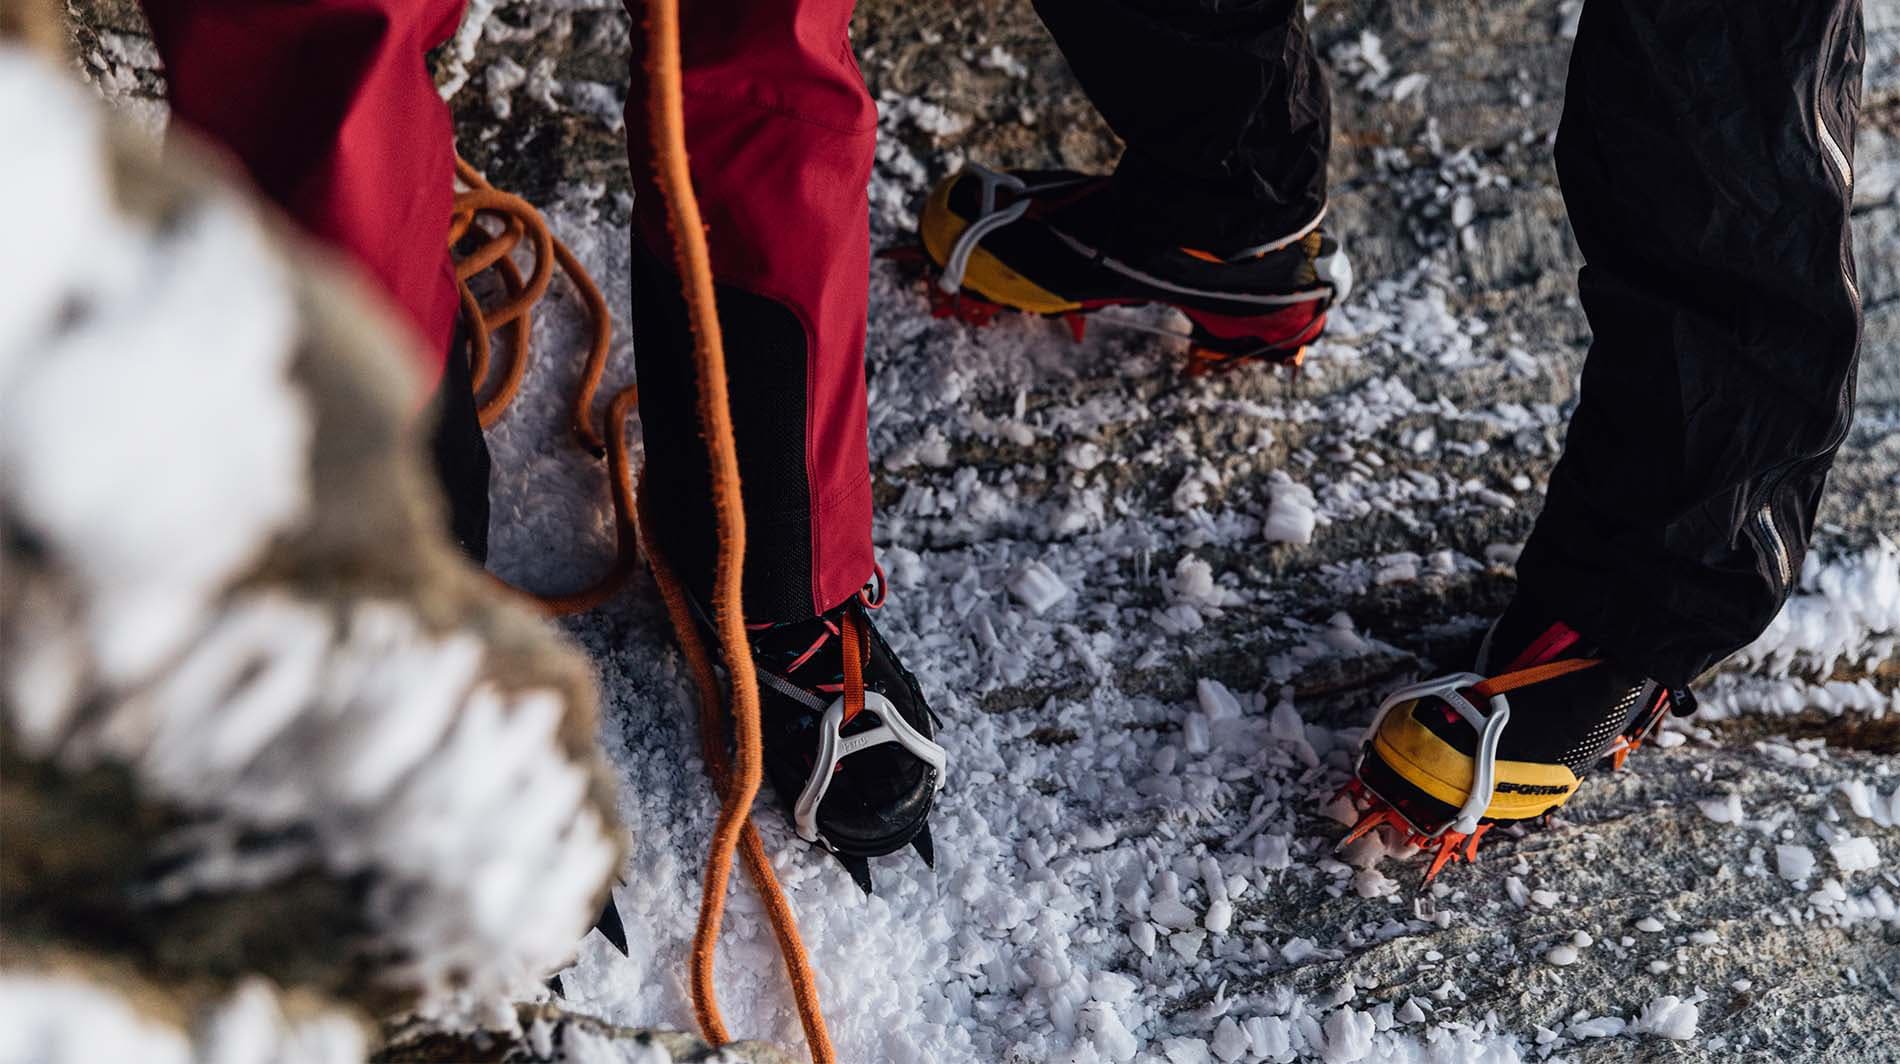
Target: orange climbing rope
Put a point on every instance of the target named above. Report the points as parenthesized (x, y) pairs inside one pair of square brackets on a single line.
[(519, 220), (737, 781), (736, 777)]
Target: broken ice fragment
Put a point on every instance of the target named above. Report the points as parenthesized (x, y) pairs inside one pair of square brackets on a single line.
[(1794, 863), (1037, 587)]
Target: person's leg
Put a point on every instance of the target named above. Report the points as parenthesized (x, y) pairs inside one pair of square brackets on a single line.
[(329, 106), (1706, 155), (1215, 208), (1223, 109), (780, 134)]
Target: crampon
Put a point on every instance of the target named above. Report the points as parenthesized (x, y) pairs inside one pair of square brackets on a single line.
[(850, 743), (1033, 242), (1447, 760)]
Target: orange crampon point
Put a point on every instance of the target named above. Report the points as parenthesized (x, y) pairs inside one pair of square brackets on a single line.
[(1447, 846)]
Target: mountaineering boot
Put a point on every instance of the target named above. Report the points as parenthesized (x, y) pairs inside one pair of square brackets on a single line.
[(1446, 759), (1051, 242), (849, 742)]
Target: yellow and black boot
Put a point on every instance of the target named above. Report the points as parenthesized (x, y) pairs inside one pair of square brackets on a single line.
[(1052, 242), (1447, 759)]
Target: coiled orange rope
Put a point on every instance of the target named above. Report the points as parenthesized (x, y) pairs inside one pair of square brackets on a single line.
[(736, 778), (514, 313)]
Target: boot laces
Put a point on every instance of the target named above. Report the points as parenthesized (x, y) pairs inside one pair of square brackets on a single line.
[(843, 624)]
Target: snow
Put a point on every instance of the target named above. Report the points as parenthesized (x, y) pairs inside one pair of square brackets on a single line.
[(50, 1019), (180, 357)]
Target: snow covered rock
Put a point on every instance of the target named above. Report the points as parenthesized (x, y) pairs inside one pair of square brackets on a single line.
[(255, 708)]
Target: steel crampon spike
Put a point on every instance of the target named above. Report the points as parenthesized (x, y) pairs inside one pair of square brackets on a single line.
[(1202, 361), (925, 847), (860, 869), (609, 925), (1447, 853)]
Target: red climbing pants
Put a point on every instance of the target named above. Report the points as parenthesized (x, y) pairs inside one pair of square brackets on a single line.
[(329, 106)]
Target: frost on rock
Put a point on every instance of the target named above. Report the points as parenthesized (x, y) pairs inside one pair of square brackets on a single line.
[(1848, 610), (231, 620), (51, 1019)]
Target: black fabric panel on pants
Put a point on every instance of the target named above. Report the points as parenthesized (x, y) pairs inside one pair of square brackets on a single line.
[(460, 451), (765, 377), (1223, 108), (1705, 154)]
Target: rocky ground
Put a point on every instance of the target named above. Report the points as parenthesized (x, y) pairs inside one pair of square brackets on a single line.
[(1103, 762)]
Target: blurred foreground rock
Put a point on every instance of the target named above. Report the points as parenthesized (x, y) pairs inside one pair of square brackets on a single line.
[(274, 759)]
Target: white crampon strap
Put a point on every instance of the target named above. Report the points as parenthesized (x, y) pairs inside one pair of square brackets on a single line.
[(833, 748), (988, 220), (1490, 731)]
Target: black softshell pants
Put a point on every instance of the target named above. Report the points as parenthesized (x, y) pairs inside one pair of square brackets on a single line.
[(1706, 154)]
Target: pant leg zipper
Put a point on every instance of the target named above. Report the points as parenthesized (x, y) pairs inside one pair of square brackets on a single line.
[(1846, 172), (1777, 547)]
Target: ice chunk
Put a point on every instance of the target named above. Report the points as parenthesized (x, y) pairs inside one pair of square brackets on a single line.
[(1216, 700), (1166, 909), (1230, 1042), (1271, 1037), (1855, 853), (1668, 1017), (1220, 916), (1187, 943), (1348, 1036), (1794, 863), (1037, 587), (1723, 810), (1598, 1027), (1142, 934), (1562, 956), (1105, 1031), (1292, 513), (1194, 583)]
